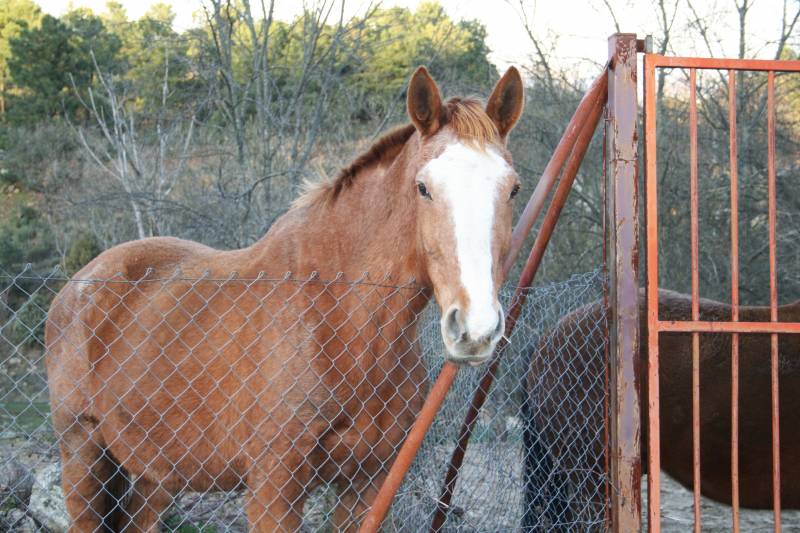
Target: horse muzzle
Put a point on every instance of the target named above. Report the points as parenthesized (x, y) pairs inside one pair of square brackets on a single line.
[(471, 346)]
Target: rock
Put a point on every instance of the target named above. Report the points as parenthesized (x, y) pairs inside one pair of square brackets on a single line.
[(16, 482), (513, 424), (47, 500), (18, 521)]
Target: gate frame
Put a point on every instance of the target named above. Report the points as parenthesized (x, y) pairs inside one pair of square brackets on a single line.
[(622, 263), (695, 326)]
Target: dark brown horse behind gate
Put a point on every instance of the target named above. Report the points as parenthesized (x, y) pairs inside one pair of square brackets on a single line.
[(576, 343), (280, 387)]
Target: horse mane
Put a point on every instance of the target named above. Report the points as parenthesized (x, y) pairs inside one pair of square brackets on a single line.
[(466, 117)]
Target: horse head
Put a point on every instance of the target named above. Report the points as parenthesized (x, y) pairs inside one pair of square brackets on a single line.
[(465, 186)]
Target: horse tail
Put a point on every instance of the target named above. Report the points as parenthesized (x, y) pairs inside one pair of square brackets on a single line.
[(115, 490), (534, 481)]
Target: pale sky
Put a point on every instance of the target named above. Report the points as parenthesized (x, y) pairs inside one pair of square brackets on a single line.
[(575, 30)]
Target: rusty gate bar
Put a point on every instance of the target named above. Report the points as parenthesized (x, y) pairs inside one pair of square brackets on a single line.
[(623, 269), (659, 61), (382, 502), (705, 326), (695, 295), (734, 301), (597, 92), (695, 325), (587, 112), (651, 221), (773, 297)]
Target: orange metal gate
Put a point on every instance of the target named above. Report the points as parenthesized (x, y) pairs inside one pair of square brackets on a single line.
[(695, 326)]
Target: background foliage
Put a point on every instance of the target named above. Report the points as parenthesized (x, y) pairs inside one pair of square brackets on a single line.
[(114, 129)]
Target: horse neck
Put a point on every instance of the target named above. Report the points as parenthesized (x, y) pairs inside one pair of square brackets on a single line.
[(370, 227), (374, 221)]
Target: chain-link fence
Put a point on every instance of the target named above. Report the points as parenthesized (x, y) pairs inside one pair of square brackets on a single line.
[(567, 411), (221, 404)]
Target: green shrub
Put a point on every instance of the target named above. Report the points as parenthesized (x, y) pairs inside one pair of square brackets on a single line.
[(81, 251), (26, 327)]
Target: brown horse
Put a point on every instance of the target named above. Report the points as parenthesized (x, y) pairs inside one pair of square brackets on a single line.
[(570, 365), (282, 386)]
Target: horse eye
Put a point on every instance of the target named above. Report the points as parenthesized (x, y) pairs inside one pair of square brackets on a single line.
[(423, 191), (514, 191)]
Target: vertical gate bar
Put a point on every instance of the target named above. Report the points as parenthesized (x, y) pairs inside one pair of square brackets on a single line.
[(734, 300), (695, 294), (651, 218), (623, 257), (773, 298)]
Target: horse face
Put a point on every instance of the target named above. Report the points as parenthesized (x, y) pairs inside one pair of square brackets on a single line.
[(464, 194), (464, 224)]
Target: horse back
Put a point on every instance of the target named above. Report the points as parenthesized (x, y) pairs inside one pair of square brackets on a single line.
[(120, 338), (94, 294)]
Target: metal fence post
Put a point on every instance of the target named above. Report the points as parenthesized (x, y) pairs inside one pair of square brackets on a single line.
[(623, 269)]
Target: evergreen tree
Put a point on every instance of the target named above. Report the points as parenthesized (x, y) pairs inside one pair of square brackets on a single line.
[(49, 61), (15, 15)]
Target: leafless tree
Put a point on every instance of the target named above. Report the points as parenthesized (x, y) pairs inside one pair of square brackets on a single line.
[(268, 106), (145, 168)]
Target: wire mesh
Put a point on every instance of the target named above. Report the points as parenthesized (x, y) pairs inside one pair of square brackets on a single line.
[(567, 411), (201, 404)]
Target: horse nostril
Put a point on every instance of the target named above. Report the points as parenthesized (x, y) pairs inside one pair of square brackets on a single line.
[(452, 326)]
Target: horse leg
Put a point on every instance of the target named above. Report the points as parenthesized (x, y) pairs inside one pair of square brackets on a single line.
[(355, 499), (143, 510), (93, 484), (277, 490)]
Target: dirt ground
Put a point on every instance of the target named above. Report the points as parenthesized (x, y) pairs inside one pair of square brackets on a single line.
[(222, 512), (677, 512)]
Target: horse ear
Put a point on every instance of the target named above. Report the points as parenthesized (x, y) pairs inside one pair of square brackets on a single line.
[(505, 104), (424, 102)]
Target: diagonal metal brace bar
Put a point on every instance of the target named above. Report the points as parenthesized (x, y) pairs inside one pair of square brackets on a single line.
[(580, 127), (517, 303)]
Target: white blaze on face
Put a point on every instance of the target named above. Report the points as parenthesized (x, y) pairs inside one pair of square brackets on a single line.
[(469, 180)]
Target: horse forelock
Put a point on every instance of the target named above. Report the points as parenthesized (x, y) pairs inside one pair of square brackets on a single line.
[(469, 121), (465, 117)]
